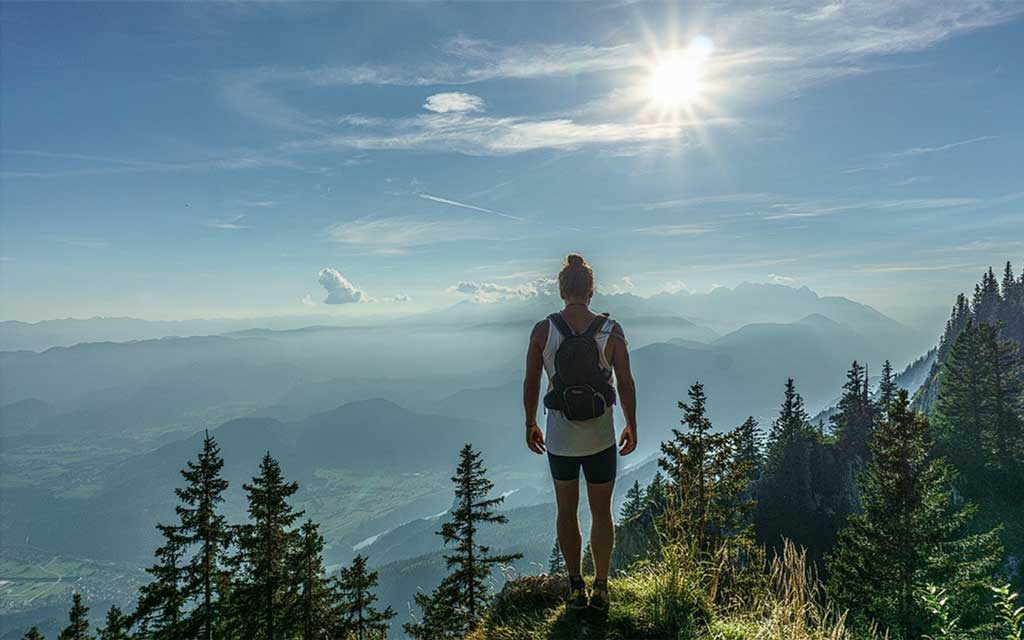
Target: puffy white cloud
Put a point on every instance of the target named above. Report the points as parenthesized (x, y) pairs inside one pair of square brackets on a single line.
[(339, 289), (492, 292), (453, 101)]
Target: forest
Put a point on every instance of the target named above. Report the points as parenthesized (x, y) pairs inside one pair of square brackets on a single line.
[(898, 517)]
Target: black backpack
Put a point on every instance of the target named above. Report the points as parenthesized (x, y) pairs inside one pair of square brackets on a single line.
[(581, 389)]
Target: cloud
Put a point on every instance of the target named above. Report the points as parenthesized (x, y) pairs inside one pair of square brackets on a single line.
[(400, 234), (399, 298), (920, 151), (779, 279), (479, 135), (674, 286), (339, 289), (232, 223), (307, 300), (672, 230), (453, 101), (493, 292), (427, 196)]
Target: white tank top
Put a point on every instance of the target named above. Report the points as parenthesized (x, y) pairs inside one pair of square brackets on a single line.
[(565, 437)]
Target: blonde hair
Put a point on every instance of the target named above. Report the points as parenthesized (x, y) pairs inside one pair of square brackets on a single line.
[(576, 279)]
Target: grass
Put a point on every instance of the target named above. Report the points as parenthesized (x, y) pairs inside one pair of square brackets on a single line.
[(677, 599)]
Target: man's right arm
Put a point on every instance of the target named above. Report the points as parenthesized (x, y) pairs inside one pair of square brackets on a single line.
[(531, 388)]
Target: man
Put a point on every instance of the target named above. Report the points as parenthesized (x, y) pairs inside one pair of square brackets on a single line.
[(579, 350)]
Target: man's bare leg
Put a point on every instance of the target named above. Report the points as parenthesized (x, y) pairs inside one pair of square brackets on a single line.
[(567, 499), (602, 528)]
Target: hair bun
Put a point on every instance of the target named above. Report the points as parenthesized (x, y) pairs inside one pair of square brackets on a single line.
[(575, 260)]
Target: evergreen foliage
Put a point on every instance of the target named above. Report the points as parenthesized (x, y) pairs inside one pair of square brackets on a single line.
[(800, 496), (356, 615), (707, 478), (159, 610), (887, 389), (33, 634), (206, 530), (855, 419), (313, 604), (266, 588), (117, 625), (556, 563), (456, 605), (979, 404), (78, 621), (909, 534)]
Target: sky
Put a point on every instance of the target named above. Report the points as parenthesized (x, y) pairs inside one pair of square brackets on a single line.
[(164, 160)]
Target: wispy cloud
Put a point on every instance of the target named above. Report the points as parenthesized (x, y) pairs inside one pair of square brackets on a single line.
[(485, 135), (797, 210), (673, 230), (463, 205), (921, 151), (400, 234), (233, 223)]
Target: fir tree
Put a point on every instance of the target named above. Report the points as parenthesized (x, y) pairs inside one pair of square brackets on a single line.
[(909, 533), (629, 531), (707, 479), (161, 601), (314, 601), (265, 590), (1003, 438), (207, 530), (78, 621), (556, 563), (33, 634), (749, 448), (357, 616), (796, 498), (456, 605), (792, 422), (887, 389), (117, 625), (854, 421)]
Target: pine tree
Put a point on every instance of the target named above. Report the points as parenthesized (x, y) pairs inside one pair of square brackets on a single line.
[(117, 627), (796, 496), (33, 634), (78, 621), (456, 605), (887, 389), (749, 448), (629, 531), (909, 534), (854, 421), (357, 616), (964, 412), (207, 530), (792, 422), (1003, 439), (707, 480), (265, 591), (161, 601), (556, 563), (314, 601)]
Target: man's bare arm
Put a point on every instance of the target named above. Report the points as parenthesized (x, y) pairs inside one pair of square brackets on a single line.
[(531, 389), (627, 389)]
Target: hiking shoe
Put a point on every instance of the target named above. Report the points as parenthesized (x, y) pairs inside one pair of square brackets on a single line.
[(577, 593), (599, 597)]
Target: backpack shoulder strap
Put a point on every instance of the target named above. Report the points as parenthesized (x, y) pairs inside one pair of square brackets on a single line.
[(596, 324), (560, 324)]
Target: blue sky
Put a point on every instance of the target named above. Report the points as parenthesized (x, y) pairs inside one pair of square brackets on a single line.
[(196, 160)]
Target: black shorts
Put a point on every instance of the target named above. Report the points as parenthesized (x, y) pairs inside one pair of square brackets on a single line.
[(598, 468)]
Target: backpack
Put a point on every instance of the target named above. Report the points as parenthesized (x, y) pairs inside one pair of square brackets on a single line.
[(581, 389)]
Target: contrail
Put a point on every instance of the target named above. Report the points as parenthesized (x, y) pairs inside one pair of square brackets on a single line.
[(427, 196)]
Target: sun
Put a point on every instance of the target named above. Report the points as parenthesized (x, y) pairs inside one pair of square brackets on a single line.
[(677, 77)]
